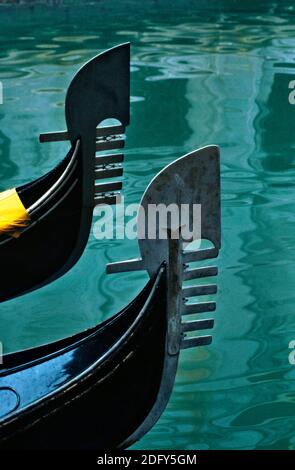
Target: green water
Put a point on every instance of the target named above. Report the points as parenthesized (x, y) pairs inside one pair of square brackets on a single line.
[(200, 75)]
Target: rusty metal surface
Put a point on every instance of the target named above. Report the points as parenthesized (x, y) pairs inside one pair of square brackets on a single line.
[(192, 179)]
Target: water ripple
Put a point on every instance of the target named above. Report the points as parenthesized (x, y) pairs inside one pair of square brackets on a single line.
[(199, 76)]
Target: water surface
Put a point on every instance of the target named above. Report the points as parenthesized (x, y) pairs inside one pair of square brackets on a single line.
[(200, 75)]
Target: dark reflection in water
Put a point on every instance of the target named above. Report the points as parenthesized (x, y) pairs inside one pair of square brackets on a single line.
[(8, 169), (276, 124), (202, 72)]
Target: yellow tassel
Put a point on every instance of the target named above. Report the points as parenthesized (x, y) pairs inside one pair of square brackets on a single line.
[(13, 214)]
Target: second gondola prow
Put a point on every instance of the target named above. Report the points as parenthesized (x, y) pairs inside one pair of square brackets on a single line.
[(45, 224), (192, 180)]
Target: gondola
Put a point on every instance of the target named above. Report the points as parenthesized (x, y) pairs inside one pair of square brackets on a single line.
[(106, 387), (45, 224)]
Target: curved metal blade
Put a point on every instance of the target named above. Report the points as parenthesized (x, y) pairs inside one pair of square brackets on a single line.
[(99, 90), (192, 179)]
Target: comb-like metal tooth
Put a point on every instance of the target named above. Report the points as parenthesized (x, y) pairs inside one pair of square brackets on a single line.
[(109, 144), (198, 255), (125, 266), (107, 131), (194, 291), (108, 187), (60, 136), (200, 307), (108, 159), (198, 325), (198, 341), (109, 172), (196, 273), (109, 199)]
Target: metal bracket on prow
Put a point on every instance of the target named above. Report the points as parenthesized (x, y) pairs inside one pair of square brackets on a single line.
[(192, 179), (109, 165), (100, 90)]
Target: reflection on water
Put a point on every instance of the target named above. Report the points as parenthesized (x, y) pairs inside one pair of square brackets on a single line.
[(204, 74)]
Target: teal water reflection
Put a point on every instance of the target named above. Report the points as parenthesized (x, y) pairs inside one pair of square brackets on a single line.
[(200, 75)]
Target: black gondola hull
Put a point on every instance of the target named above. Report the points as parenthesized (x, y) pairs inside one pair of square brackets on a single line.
[(102, 406), (54, 240)]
